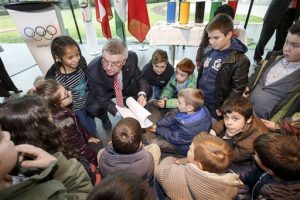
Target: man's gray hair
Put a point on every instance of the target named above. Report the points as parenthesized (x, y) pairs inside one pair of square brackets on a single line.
[(115, 46)]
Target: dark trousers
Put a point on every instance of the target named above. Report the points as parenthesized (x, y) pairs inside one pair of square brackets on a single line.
[(6, 84), (161, 195), (164, 145), (268, 30)]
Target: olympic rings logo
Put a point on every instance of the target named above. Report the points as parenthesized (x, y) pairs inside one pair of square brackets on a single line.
[(40, 32)]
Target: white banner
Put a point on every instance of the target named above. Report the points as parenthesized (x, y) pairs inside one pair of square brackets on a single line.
[(38, 28)]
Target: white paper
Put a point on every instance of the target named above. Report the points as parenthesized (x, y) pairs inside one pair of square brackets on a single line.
[(136, 111)]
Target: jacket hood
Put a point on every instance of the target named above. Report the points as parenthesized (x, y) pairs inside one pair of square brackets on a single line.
[(111, 161), (191, 119), (285, 190), (236, 44), (214, 186)]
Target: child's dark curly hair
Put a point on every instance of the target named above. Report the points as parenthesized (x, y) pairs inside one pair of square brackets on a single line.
[(29, 122)]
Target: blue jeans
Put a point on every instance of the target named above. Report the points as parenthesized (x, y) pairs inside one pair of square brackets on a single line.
[(156, 92), (87, 121), (161, 195)]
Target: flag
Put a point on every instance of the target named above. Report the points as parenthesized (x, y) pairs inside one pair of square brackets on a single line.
[(120, 17), (103, 15), (138, 20)]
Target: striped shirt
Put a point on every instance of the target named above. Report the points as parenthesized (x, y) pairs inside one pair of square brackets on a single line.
[(75, 82)]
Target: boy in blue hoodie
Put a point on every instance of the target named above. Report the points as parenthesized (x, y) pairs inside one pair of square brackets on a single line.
[(174, 133), (224, 70)]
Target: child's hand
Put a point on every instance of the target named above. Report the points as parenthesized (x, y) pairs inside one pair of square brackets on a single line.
[(38, 157), (212, 132), (181, 161), (161, 103), (93, 140), (142, 100), (153, 128), (218, 113)]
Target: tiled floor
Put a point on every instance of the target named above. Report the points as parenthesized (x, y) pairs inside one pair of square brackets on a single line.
[(23, 69)]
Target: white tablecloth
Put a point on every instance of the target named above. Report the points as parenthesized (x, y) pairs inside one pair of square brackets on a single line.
[(164, 34)]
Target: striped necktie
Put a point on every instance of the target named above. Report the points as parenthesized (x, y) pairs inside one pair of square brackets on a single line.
[(118, 91)]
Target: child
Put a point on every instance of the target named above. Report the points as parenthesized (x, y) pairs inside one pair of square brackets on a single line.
[(57, 177), (174, 134), (279, 156), (75, 136), (158, 72), (128, 184), (126, 153), (204, 46), (29, 121), (224, 70), (203, 174), (183, 78), (239, 127), (69, 70)]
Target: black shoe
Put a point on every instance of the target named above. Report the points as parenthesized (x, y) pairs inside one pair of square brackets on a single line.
[(106, 124), (18, 91), (258, 63)]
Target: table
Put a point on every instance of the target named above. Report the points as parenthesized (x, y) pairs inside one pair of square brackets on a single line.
[(188, 35)]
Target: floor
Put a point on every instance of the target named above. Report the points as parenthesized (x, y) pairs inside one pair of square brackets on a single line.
[(23, 69)]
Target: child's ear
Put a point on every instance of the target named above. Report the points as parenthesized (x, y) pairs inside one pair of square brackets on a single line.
[(270, 172), (57, 59), (190, 108), (249, 120), (198, 164), (229, 34)]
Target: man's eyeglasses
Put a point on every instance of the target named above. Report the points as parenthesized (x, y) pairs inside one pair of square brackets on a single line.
[(115, 65)]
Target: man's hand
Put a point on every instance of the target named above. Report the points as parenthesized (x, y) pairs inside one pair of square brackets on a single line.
[(246, 92), (269, 124), (40, 158), (93, 140), (142, 100)]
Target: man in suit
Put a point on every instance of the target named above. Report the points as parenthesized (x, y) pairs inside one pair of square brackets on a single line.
[(118, 63), (279, 16)]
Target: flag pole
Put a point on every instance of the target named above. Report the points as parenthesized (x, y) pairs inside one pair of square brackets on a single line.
[(124, 33), (74, 18)]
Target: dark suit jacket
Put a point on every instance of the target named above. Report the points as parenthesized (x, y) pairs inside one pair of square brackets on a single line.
[(101, 85)]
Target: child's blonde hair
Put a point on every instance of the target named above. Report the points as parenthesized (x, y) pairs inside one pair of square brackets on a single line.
[(214, 154), (193, 97)]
